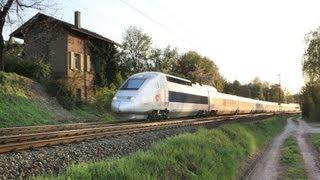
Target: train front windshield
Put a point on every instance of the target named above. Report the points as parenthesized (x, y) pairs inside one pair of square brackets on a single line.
[(133, 84)]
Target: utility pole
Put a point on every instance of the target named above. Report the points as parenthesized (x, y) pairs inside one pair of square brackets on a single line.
[(279, 89)]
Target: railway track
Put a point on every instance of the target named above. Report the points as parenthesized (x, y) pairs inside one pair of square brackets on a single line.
[(22, 138)]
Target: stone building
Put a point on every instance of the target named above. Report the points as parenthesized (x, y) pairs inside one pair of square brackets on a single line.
[(66, 47)]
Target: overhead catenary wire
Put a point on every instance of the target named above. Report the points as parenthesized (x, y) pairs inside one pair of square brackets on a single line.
[(153, 20)]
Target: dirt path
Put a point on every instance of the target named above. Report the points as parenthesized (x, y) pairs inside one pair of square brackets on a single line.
[(308, 153), (268, 165)]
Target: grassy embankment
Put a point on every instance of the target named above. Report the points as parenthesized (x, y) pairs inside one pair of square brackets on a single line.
[(91, 113), (291, 160), (16, 108), (206, 154), (21, 104)]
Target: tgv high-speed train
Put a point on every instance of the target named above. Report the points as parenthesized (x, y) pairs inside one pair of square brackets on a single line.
[(154, 95)]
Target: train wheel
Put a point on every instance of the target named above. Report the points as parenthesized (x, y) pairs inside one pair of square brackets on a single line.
[(200, 114), (213, 113), (153, 115), (150, 117), (164, 114)]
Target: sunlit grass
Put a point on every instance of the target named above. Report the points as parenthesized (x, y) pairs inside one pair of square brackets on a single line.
[(292, 160), (16, 109), (206, 154)]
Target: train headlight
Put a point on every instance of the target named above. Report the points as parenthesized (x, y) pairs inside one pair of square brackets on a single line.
[(131, 98)]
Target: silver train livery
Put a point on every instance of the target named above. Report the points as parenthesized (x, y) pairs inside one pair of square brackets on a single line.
[(155, 95)]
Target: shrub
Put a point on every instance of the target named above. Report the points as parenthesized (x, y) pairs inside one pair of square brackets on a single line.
[(103, 97), (36, 69), (310, 100), (63, 92)]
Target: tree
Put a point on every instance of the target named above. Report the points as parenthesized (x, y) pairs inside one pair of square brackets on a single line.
[(310, 93), (310, 100), (136, 50), (105, 62), (164, 60), (311, 59), (232, 88), (197, 68), (256, 88), (274, 93), (12, 10)]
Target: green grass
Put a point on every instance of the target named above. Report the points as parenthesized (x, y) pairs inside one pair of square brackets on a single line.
[(291, 160), (206, 154), (16, 109), (315, 140), (88, 111)]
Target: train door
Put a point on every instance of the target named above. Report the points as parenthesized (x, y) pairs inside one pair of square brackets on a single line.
[(164, 89), (210, 101), (160, 95)]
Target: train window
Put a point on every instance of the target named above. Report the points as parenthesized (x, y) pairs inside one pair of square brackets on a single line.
[(178, 81), (187, 98), (133, 84)]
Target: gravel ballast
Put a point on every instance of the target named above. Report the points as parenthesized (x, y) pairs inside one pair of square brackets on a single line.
[(55, 159)]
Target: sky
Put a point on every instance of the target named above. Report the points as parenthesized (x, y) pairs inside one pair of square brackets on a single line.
[(246, 39)]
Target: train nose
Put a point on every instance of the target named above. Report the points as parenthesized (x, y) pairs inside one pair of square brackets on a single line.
[(115, 106), (122, 106)]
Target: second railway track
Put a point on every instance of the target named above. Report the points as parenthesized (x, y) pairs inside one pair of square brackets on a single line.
[(16, 139)]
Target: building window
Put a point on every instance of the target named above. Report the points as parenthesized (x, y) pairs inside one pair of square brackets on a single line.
[(77, 61), (78, 93)]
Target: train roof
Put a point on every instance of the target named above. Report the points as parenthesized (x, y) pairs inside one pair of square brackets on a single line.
[(153, 74)]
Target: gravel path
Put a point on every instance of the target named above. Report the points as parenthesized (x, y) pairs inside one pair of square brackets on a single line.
[(268, 166), (55, 159), (308, 153)]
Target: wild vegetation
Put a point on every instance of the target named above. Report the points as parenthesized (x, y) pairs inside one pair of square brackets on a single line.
[(98, 109), (310, 94), (315, 139), (206, 154), (257, 89), (291, 160), (14, 62)]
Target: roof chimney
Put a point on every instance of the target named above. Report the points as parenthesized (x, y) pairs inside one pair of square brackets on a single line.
[(77, 19)]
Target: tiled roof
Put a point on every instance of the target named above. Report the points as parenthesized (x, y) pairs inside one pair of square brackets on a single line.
[(18, 32)]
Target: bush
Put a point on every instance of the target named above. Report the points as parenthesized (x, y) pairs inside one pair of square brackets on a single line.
[(103, 97), (62, 91), (310, 97), (36, 69)]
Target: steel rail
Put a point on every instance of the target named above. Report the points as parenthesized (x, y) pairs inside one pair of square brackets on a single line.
[(61, 127), (35, 140)]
